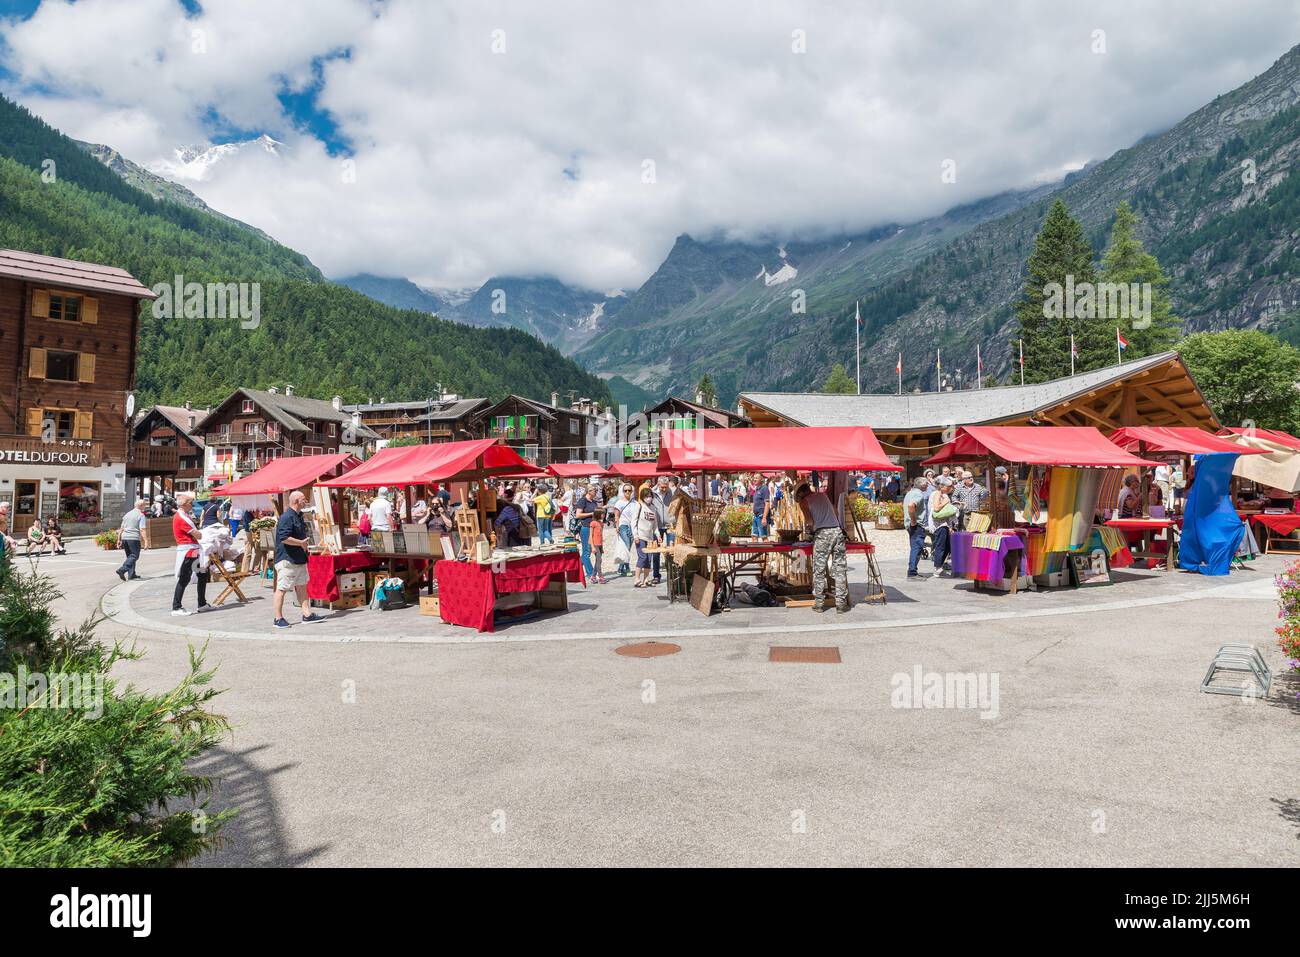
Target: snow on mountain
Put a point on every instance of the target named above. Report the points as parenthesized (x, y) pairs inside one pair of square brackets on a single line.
[(194, 163)]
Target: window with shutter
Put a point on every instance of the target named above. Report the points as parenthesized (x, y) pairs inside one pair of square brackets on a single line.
[(85, 425), (86, 367), (40, 303), (89, 310), (36, 364), (35, 419)]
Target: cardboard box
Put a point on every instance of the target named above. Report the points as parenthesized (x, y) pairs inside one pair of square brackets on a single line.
[(351, 600), (555, 596), (351, 581), (429, 605), (1052, 579)]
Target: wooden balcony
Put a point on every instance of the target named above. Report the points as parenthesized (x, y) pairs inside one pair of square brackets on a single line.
[(226, 439), (528, 434), (149, 459)]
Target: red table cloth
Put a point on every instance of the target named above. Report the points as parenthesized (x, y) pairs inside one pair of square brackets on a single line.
[(468, 590), (323, 572), (1281, 524)]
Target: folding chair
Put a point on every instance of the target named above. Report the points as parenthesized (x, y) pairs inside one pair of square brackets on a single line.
[(232, 580)]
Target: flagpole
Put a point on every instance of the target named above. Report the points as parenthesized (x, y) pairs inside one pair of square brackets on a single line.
[(979, 368), (1072, 353), (900, 373), (1022, 361), (1119, 353), (938, 371), (857, 328)]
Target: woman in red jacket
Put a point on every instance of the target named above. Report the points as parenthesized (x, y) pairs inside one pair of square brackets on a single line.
[(186, 534)]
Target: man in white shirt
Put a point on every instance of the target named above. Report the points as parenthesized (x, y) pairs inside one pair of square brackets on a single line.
[(381, 511), (1164, 481)]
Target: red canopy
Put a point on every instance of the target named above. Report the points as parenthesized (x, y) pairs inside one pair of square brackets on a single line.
[(1184, 439), (576, 469), (831, 449), (637, 470), (287, 474), (1268, 435), (1035, 445), (446, 462)]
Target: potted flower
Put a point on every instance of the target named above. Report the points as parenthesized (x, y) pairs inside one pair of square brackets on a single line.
[(264, 530), (889, 515), (107, 540)]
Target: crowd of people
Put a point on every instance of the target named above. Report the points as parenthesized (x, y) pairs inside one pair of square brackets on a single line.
[(936, 505)]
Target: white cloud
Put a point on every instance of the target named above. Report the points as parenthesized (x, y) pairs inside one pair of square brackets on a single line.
[(461, 152)]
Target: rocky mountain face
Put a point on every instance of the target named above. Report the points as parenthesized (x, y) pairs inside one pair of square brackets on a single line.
[(1218, 205), (158, 187)]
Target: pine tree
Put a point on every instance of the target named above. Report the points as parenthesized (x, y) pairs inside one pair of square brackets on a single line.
[(1126, 262), (707, 390), (1061, 255), (838, 381)]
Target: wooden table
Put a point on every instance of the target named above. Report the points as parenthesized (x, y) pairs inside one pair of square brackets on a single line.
[(1277, 528), (467, 591), (744, 555), (1148, 527)]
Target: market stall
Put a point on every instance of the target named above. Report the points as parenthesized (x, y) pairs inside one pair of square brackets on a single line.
[(1275, 469), (1048, 531), (265, 490), (1174, 445), (637, 470), (474, 580), (577, 470), (831, 451)]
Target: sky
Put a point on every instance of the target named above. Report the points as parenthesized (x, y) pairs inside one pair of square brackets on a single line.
[(452, 142)]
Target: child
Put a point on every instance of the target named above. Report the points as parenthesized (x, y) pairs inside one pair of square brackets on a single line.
[(596, 539)]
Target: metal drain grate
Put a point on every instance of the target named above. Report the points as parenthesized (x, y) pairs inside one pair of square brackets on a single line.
[(648, 649), (806, 656)]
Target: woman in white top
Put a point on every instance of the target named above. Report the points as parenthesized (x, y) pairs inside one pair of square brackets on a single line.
[(644, 522), (940, 528), (617, 510)]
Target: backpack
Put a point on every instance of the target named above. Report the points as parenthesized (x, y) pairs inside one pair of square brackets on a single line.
[(363, 526)]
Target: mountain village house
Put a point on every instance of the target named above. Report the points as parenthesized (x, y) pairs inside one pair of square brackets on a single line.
[(67, 355), (448, 418), (167, 456), (253, 427), (674, 413), (550, 434)]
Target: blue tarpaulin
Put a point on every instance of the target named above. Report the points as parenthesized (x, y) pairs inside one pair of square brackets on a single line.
[(1212, 530)]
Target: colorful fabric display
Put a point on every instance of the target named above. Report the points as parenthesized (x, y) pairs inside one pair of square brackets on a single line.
[(982, 563), (987, 540), (1071, 506)]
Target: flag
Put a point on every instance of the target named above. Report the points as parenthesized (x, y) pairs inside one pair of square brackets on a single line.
[(857, 314), (1074, 349), (899, 368), (1120, 340)]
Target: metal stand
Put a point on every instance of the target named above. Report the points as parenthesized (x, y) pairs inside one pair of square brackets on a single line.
[(1231, 662)]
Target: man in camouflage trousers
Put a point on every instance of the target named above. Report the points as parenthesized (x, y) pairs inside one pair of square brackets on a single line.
[(828, 547)]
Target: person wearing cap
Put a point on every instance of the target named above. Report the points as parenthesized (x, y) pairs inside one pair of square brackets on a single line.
[(915, 504), (828, 546), (381, 512)]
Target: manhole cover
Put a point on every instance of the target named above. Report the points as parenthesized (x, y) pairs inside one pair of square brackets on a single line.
[(648, 649), (807, 656)]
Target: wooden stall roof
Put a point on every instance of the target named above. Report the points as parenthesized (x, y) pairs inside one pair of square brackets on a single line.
[(1155, 390)]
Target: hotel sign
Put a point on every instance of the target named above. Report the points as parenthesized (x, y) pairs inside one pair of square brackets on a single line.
[(25, 451)]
